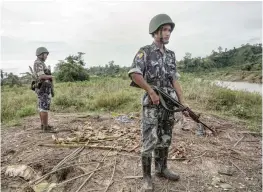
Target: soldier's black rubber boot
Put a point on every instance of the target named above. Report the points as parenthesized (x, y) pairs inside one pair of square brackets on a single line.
[(161, 169), (147, 178), (49, 129)]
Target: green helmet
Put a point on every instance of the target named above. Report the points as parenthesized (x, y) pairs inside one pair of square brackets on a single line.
[(41, 50), (159, 20)]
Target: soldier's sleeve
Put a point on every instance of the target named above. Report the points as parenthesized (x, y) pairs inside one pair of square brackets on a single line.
[(39, 68), (138, 64), (174, 73)]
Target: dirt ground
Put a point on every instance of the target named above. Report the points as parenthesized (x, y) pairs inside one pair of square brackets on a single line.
[(229, 161)]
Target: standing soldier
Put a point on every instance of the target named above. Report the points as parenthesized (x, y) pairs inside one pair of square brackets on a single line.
[(43, 88), (155, 65)]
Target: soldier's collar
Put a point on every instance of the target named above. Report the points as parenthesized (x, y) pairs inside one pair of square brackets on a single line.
[(38, 59), (155, 47)]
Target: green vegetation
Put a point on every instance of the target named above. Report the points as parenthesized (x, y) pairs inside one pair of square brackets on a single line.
[(230, 74), (237, 64), (208, 97), (101, 89), (71, 69), (110, 94), (109, 70), (247, 58), (10, 79)]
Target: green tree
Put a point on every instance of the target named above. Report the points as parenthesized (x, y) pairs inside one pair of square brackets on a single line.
[(10, 79), (110, 69), (248, 55), (71, 69)]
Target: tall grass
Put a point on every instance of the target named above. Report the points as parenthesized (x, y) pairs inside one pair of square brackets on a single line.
[(115, 95), (17, 102), (240, 104)]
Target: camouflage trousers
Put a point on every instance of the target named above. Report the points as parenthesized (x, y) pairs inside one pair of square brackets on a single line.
[(44, 99), (156, 132)]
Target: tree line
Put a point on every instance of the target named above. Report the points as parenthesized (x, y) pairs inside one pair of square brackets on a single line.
[(247, 57), (72, 68)]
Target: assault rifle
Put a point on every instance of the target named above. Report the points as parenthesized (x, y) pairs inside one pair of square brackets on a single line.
[(164, 96)]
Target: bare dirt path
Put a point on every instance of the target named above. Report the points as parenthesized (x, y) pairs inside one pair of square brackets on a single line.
[(231, 160)]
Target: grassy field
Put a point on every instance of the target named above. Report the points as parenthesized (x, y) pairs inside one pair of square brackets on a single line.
[(115, 95)]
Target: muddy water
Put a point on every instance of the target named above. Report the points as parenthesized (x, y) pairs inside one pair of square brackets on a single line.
[(244, 86)]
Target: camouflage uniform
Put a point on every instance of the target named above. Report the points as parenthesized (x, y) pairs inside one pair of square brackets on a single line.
[(44, 92), (159, 70)]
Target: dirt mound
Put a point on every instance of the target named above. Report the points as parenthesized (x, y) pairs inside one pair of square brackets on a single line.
[(102, 153)]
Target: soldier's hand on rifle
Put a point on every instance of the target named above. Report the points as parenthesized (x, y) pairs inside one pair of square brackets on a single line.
[(186, 113), (154, 97), (46, 77), (50, 77)]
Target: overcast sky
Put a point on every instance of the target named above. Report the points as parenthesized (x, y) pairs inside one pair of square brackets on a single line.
[(110, 30)]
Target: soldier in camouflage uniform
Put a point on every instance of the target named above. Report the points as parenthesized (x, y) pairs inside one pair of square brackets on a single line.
[(155, 65), (43, 87)]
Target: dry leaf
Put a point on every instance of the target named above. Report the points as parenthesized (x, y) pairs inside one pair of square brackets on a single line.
[(88, 128), (225, 186), (242, 186), (22, 171), (116, 127), (44, 187), (112, 153), (54, 137), (216, 181)]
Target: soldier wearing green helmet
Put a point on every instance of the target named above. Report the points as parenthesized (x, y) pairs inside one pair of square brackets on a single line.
[(43, 88), (157, 23), (155, 65), (41, 50)]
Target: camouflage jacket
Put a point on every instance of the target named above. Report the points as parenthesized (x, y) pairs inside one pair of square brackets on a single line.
[(39, 68), (158, 69)]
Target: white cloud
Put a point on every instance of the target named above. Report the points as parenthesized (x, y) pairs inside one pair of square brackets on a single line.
[(36, 23), (116, 30)]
